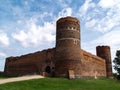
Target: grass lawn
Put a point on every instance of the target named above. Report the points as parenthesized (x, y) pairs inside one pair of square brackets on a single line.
[(63, 84)]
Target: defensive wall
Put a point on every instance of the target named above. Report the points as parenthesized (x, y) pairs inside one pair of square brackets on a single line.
[(66, 56)]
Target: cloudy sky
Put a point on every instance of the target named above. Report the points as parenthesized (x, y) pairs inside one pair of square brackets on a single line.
[(28, 26)]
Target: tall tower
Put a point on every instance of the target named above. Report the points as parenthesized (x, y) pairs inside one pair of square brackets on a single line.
[(104, 52), (67, 55)]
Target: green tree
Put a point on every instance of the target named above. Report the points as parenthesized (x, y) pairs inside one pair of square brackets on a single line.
[(116, 61)]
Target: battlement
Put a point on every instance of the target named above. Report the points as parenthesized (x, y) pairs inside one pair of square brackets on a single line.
[(103, 46), (102, 49), (68, 18)]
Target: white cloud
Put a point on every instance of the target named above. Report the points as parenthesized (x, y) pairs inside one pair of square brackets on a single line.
[(110, 38), (65, 12), (64, 3), (105, 24), (101, 16), (84, 8), (2, 54), (36, 35), (106, 3), (4, 40), (91, 23)]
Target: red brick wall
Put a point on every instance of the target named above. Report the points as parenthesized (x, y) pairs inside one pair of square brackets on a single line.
[(104, 52), (67, 56), (34, 63), (92, 65)]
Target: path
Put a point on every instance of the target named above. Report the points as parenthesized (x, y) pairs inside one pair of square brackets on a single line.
[(3, 81)]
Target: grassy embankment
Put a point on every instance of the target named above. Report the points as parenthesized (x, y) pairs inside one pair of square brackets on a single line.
[(63, 84)]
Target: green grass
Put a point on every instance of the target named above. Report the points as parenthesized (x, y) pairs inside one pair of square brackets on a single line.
[(63, 84)]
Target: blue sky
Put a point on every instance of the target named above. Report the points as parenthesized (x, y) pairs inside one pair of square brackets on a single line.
[(27, 26)]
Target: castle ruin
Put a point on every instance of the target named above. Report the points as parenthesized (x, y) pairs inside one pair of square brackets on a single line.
[(66, 58)]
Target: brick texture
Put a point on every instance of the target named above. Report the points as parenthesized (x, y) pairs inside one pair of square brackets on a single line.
[(65, 57)]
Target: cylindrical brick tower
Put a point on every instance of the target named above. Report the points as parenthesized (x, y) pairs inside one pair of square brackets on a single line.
[(104, 52), (67, 55)]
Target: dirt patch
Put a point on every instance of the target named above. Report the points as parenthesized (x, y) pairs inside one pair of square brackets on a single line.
[(3, 81)]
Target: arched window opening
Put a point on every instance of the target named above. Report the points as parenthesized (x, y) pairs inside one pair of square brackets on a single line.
[(48, 69)]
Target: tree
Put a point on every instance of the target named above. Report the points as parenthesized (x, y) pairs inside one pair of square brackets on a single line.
[(116, 61)]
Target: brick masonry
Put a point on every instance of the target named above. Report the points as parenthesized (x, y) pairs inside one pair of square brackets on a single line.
[(65, 57)]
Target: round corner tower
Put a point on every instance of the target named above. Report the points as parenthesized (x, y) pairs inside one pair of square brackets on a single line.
[(104, 52), (67, 55)]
